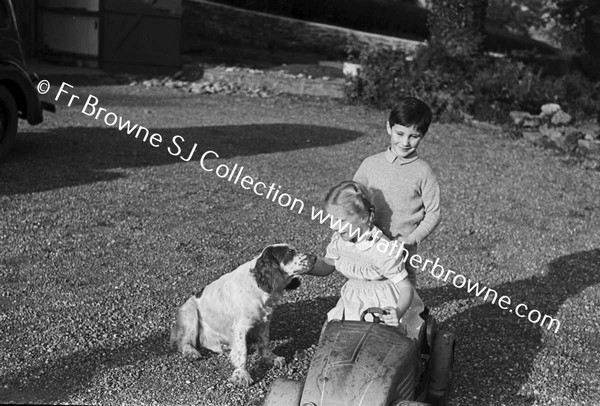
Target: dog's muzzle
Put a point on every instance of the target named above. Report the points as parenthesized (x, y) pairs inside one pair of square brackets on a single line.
[(310, 262)]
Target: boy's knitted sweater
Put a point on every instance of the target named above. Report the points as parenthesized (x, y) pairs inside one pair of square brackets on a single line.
[(406, 194)]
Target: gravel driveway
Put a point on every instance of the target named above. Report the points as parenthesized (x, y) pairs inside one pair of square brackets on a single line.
[(103, 236)]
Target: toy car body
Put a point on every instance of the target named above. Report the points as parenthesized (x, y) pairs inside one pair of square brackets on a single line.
[(18, 94), (359, 363)]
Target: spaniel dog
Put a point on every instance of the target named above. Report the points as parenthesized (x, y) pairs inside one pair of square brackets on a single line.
[(220, 316)]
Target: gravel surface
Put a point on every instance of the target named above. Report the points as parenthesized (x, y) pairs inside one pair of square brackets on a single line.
[(103, 236)]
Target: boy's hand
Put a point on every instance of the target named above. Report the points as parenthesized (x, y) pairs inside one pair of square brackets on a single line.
[(408, 240), (390, 316)]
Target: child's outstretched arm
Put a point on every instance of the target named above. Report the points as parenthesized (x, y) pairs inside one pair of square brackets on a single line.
[(405, 289), (321, 268)]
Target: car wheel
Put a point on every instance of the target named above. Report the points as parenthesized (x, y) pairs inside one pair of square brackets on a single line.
[(8, 121), (440, 368), (284, 392)]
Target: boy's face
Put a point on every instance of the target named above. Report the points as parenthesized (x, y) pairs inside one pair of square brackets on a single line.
[(403, 140)]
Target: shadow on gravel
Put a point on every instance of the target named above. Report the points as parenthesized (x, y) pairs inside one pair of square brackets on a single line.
[(57, 381), (73, 156), (496, 349), (301, 321)]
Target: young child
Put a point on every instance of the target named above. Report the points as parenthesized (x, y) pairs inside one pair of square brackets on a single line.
[(406, 191), (375, 279)]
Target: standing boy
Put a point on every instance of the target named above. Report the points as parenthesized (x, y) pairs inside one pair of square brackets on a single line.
[(406, 191)]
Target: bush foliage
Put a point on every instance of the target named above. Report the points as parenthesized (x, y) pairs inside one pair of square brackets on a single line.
[(458, 25), (456, 87)]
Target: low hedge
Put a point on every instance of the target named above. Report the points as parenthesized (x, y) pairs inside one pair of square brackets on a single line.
[(485, 87)]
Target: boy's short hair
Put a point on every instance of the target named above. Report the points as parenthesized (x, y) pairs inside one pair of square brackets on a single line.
[(411, 111)]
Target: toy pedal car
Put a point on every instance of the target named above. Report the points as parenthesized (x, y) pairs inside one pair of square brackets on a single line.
[(361, 363)]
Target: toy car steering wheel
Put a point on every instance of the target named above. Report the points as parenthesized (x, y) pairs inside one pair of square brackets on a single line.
[(373, 311)]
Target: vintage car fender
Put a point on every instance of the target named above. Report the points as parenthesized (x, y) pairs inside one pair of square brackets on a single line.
[(18, 81)]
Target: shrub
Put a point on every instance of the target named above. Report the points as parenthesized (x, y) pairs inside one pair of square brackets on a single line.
[(510, 84), (576, 25), (433, 76), (485, 87), (458, 26), (516, 17)]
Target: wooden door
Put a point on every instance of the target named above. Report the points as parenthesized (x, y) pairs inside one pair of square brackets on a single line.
[(141, 35)]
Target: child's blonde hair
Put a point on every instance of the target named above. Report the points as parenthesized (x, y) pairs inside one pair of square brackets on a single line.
[(354, 197)]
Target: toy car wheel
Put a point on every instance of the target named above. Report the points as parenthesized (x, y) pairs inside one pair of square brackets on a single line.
[(284, 392), (440, 368), (8, 121)]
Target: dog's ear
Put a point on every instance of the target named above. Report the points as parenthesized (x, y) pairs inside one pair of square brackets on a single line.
[(267, 272)]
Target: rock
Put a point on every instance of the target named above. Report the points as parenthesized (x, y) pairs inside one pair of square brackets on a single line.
[(568, 130), (589, 147), (482, 124), (561, 118), (571, 141), (590, 131), (531, 122), (550, 132), (517, 117), (520, 116), (590, 137), (557, 137), (536, 138), (196, 88), (567, 143), (351, 69), (550, 109)]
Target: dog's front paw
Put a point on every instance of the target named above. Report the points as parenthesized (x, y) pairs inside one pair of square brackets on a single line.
[(241, 377), (279, 362), (190, 353)]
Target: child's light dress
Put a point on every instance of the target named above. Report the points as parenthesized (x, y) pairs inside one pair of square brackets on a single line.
[(372, 272)]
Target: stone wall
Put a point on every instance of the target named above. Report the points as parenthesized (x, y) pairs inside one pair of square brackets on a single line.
[(205, 20)]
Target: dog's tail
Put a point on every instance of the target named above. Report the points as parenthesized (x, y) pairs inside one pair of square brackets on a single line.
[(186, 332)]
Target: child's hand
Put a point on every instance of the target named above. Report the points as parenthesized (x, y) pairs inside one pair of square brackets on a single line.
[(408, 240), (390, 316)]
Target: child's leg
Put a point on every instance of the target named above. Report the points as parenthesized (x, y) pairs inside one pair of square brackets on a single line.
[(412, 320)]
